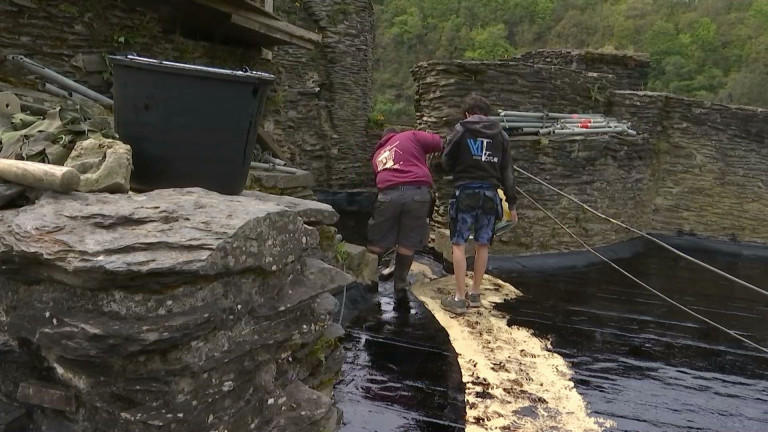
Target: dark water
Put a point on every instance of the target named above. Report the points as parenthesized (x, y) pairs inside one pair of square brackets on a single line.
[(646, 364), (401, 373), (636, 359)]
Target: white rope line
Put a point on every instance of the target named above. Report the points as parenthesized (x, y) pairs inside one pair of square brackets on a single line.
[(659, 242), (747, 341)]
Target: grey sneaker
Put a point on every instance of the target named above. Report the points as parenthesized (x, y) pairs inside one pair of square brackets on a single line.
[(452, 305), (473, 299)]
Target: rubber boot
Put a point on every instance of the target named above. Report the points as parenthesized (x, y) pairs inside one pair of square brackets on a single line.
[(402, 267)]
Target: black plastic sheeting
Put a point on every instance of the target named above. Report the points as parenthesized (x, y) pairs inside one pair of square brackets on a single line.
[(401, 372), (645, 363), (637, 359)]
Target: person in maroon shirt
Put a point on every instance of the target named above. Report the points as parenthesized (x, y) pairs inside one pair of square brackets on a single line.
[(404, 202)]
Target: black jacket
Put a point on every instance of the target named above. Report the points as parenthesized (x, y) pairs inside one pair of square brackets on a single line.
[(478, 151)]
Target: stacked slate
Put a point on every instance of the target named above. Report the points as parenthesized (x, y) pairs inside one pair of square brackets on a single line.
[(174, 310)]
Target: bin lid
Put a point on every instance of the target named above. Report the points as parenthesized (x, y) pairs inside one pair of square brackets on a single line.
[(187, 69)]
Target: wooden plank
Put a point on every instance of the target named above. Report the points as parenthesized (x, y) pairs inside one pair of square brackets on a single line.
[(254, 6), (290, 28), (270, 145), (279, 29), (265, 53), (270, 31)]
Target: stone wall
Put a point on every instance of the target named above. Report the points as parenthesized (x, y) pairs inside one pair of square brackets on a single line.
[(630, 69), (317, 111), (694, 166), (326, 93), (708, 174), (175, 310)]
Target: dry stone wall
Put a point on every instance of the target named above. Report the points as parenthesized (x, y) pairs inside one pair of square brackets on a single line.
[(708, 174), (327, 92), (630, 69), (694, 167)]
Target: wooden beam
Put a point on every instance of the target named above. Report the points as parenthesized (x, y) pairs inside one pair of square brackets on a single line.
[(252, 5), (257, 18), (271, 146), (265, 53), (287, 27), (271, 31)]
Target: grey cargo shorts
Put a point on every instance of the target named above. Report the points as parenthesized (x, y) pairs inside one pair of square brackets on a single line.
[(401, 217)]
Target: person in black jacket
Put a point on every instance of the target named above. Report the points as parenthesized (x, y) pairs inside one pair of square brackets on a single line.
[(478, 157)]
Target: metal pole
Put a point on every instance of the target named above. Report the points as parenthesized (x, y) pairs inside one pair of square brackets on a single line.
[(269, 167), (522, 125), (52, 89), (588, 131), (62, 81), (525, 131)]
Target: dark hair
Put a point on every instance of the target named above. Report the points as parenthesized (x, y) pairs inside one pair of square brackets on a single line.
[(389, 130), (474, 104)]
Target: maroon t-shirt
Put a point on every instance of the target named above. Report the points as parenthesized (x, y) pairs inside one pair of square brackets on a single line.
[(402, 158)]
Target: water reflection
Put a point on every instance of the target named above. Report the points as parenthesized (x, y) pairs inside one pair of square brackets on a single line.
[(401, 373)]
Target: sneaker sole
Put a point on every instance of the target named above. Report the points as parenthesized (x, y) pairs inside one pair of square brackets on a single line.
[(454, 310), (475, 304)]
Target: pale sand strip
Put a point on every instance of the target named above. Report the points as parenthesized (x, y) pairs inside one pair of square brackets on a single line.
[(513, 381)]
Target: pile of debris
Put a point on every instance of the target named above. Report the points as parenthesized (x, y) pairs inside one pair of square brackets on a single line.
[(56, 144), (74, 128), (520, 123)]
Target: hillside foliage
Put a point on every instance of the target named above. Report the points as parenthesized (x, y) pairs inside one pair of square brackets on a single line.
[(709, 49)]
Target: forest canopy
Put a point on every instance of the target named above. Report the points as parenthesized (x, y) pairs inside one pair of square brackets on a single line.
[(715, 50)]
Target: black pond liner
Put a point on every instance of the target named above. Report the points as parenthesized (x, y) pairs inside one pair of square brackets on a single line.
[(636, 359), (401, 372), (639, 360)]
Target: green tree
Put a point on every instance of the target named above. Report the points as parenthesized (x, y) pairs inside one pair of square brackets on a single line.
[(489, 43)]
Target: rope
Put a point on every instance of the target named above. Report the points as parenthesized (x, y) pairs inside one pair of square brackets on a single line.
[(343, 303), (659, 242), (747, 341)]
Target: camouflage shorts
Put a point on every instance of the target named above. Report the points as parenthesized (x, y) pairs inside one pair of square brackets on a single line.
[(473, 210)]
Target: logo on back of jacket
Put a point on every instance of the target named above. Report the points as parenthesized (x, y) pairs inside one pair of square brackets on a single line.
[(478, 147), (386, 158)]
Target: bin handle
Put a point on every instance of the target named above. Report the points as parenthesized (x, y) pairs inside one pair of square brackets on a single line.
[(188, 66)]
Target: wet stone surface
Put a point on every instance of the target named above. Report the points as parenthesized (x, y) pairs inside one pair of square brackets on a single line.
[(401, 373)]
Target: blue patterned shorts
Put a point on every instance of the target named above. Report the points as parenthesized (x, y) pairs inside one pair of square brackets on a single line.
[(479, 212)]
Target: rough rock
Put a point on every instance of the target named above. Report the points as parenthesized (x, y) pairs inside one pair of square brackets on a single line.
[(312, 212), (9, 192), (104, 165), (12, 418), (158, 237), (327, 93), (46, 395), (297, 185), (167, 311), (357, 261), (280, 180)]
